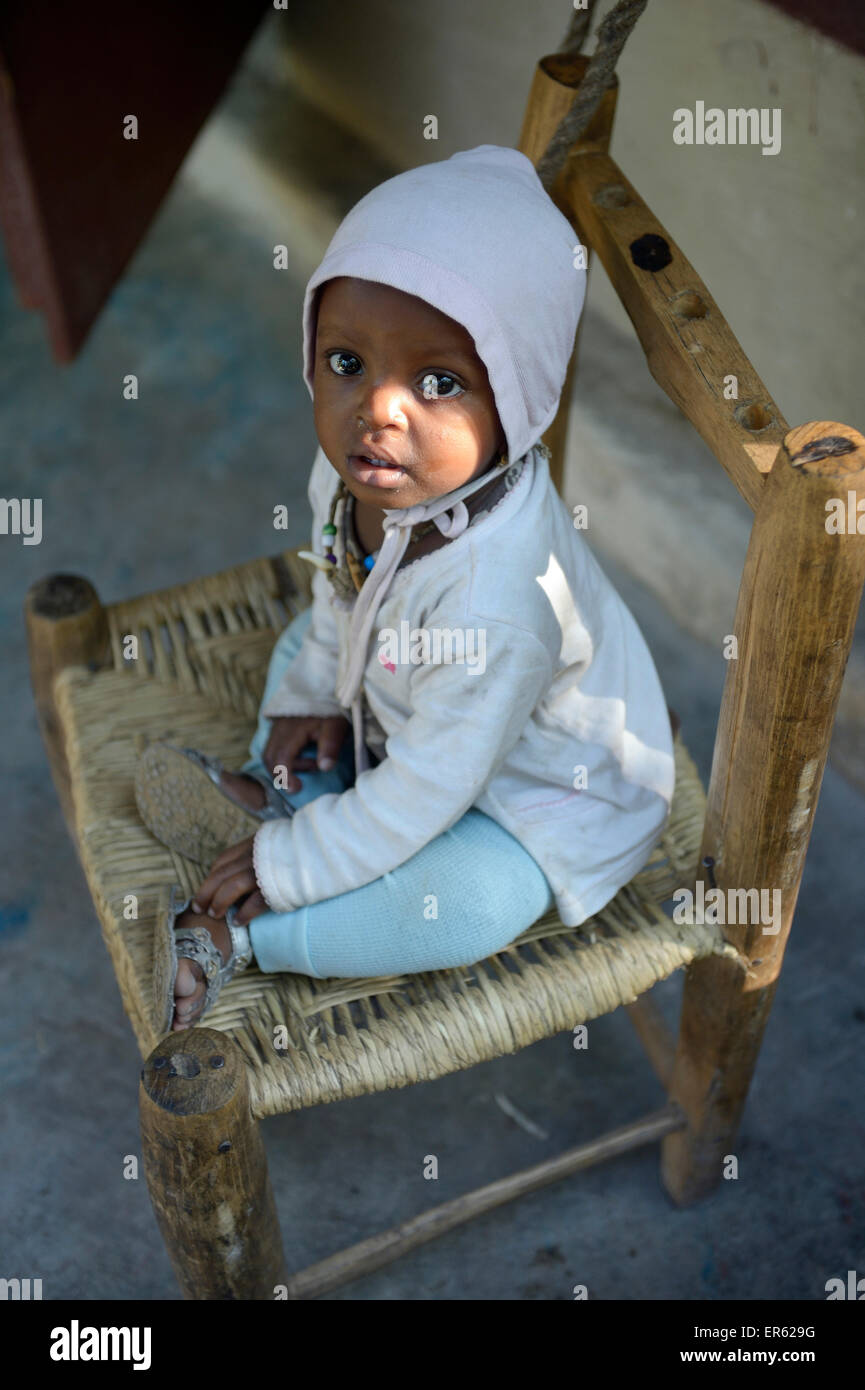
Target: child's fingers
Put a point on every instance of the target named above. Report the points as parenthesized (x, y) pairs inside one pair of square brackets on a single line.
[(281, 752), (236, 857), (253, 907), (282, 768), (291, 732), (331, 736), (230, 888)]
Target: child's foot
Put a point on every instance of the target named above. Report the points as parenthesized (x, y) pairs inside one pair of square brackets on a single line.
[(189, 802), (189, 987), (243, 788)]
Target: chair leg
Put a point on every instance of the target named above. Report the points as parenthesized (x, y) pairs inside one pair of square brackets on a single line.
[(795, 617), (723, 1020), (66, 626), (206, 1169)]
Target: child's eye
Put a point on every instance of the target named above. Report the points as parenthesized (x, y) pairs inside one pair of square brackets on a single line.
[(434, 392), (331, 355)]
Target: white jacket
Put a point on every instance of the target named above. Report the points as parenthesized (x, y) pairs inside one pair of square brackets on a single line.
[(554, 723)]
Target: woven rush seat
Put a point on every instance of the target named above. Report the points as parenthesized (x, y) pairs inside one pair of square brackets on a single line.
[(203, 652)]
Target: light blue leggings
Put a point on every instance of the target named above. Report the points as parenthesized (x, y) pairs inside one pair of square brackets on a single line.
[(488, 888)]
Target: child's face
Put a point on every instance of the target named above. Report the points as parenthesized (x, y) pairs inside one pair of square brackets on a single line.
[(380, 357)]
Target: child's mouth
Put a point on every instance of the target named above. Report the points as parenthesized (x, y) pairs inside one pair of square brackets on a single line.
[(375, 472)]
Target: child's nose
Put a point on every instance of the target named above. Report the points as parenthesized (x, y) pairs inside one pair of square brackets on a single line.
[(383, 405)]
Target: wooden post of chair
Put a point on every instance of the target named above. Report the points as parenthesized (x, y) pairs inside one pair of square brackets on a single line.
[(551, 97), (206, 1169), (795, 617), (66, 626)]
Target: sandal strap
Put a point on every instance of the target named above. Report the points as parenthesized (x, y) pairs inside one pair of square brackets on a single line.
[(274, 808), (196, 943), (212, 766), (240, 941)]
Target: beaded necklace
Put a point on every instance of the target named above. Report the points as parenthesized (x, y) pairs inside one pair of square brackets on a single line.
[(348, 577)]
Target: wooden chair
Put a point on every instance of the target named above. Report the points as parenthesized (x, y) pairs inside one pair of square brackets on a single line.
[(279, 1043)]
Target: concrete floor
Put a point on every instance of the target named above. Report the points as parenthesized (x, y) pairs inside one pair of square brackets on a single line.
[(181, 483)]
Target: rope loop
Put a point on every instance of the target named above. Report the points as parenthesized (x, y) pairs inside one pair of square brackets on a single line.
[(612, 34)]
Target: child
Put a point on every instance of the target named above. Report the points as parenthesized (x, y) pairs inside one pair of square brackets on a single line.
[(511, 745)]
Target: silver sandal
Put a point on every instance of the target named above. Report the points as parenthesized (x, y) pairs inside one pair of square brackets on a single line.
[(180, 800), (191, 943)]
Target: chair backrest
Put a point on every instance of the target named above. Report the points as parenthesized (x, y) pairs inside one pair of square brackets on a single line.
[(803, 579)]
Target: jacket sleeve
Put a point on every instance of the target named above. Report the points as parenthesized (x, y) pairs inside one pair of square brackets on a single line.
[(309, 683), (463, 725)]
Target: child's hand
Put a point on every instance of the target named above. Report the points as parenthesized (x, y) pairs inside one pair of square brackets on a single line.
[(231, 877), (292, 732)]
